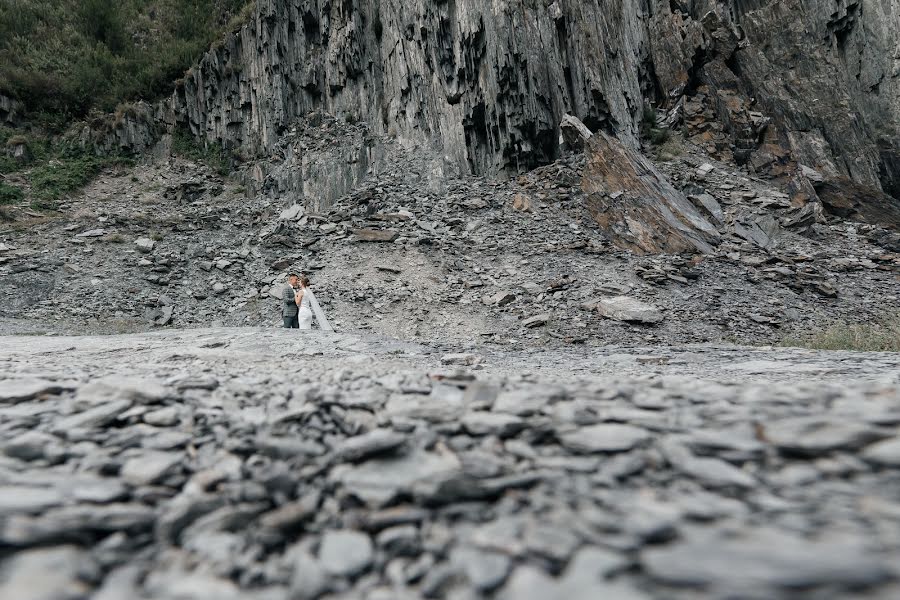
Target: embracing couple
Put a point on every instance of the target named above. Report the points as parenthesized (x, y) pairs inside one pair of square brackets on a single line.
[(296, 306)]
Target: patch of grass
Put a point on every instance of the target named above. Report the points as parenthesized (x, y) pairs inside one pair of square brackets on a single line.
[(241, 17), (10, 194), (69, 171), (212, 154), (670, 149), (882, 335), (43, 205), (39, 148)]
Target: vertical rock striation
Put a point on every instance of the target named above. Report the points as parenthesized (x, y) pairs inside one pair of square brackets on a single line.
[(775, 85), (485, 82)]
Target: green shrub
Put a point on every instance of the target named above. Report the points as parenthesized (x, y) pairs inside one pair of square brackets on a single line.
[(10, 193), (63, 58), (658, 137), (880, 335), (212, 154), (650, 130), (69, 171), (648, 117)]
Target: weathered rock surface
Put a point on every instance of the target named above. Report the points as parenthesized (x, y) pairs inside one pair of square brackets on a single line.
[(624, 308), (490, 87), (373, 472), (636, 206), (847, 199)]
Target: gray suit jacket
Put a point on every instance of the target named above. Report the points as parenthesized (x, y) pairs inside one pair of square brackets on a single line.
[(289, 305)]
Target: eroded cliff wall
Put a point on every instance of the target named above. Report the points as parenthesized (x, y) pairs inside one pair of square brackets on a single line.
[(811, 82), (825, 73), (488, 82)]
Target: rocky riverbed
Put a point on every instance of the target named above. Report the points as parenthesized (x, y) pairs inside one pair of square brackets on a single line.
[(262, 463)]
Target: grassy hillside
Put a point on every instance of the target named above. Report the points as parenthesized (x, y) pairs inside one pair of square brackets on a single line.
[(65, 58)]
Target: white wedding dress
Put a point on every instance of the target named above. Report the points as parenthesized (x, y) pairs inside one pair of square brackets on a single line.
[(304, 314), (308, 306)]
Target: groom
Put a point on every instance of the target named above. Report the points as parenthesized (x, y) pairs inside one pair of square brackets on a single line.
[(289, 307)]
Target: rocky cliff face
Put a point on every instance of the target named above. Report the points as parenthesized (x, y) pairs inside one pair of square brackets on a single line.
[(795, 82), (789, 83), (805, 93), (487, 83)]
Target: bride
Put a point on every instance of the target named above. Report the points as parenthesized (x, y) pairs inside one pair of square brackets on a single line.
[(302, 297)]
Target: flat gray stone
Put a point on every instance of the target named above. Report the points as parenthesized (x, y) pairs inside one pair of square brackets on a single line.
[(815, 436), (345, 552), (20, 499), (309, 580), (45, 574), (400, 540), (536, 320), (530, 583), (885, 453), (579, 582), (145, 390), (706, 441), (373, 443), (769, 560), (150, 467), (526, 401), (144, 244), (485, 570), (31, 445), (13, 391), (711, 472), (492, 423), (98, 490), (97, 416), (163, 417), (604, 437), (550, 540), (68, 522), (91, 233), (194, 585), (626, 308), (183, 510), (376, 482), (716, 473)]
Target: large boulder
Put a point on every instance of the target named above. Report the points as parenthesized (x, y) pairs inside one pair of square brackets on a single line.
[(851, 200), (637, 207)]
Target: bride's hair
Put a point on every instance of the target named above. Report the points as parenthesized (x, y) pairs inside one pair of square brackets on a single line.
[(304, 281)]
